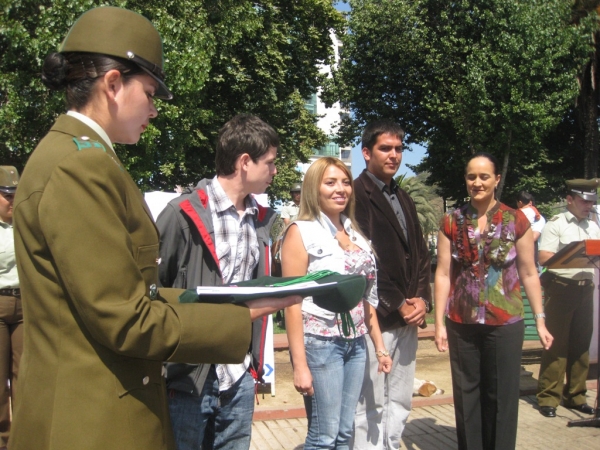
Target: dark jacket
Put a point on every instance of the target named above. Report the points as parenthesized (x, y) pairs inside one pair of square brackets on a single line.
[(188, 259), (402, 261)]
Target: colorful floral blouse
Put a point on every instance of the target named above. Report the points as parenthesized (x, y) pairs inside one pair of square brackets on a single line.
[(357, 262), (485, 286)]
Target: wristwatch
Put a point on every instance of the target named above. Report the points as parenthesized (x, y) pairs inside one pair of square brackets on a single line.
[(539, 316), (380, 353), (428, 307)]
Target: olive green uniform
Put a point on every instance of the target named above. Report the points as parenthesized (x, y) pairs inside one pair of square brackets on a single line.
[(569, 316), (95, 337)]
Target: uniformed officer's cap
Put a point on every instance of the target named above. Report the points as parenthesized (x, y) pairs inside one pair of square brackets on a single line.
[(119, 32), (586, 189), (9, 178), (296, 187)]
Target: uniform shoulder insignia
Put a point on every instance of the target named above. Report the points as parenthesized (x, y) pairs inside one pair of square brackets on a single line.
[(84, 142), (554, 218)]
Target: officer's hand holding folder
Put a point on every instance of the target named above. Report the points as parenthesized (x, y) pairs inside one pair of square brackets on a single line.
[(329, 290)]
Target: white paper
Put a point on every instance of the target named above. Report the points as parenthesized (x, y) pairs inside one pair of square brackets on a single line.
[(229, 290)]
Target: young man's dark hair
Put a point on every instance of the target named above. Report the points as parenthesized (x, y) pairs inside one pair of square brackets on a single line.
[(243, 134), (525, 197), (374, 129)]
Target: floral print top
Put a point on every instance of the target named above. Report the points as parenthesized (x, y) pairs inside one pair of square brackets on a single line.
[(357, 262), (484, 284)]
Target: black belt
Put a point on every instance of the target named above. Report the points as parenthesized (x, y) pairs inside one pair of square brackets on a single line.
[(569, 281), (16, 292)]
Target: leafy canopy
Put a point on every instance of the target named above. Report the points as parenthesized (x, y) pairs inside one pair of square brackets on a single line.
[(222, 57), (464, 77)]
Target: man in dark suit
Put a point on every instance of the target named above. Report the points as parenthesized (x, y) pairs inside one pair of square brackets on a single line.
[(388, 217)]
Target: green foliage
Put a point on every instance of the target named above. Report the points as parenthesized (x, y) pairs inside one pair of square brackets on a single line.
[(429, 205), (465, 77), (223, 57)]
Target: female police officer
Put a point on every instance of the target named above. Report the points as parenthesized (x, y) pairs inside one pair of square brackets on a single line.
[(96, 329)]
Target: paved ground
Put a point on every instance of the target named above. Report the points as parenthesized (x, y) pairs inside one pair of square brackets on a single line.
[(432, 427)]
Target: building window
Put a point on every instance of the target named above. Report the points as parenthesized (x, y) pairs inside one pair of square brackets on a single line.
[(311, 104), (330, 149)]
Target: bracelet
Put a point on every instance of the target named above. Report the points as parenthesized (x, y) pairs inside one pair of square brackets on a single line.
[(427, 305), (539, 316), (381, 353)]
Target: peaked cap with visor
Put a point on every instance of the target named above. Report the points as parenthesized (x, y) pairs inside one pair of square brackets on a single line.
[(586, 189), (122, 33)]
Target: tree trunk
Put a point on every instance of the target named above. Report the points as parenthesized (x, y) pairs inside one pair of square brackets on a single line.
[(588, 106), (504, 171)]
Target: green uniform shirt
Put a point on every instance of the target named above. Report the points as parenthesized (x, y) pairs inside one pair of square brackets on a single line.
[(563, 229)]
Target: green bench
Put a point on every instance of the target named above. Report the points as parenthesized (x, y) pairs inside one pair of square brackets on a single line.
[(532, 353), (530, 330)]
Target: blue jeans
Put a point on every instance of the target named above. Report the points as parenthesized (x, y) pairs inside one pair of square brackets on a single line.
[(215, 420), (337, 367)]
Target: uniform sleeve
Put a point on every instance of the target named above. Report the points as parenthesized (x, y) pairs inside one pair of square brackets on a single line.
[(96, 229), (550, 240), (285, 212)]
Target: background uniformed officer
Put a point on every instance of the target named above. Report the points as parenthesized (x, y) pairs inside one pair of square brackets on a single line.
[(11, 314), (568, 306), (290, 211)]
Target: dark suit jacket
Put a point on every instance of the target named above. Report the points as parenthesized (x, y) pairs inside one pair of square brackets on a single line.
[(403, 269)]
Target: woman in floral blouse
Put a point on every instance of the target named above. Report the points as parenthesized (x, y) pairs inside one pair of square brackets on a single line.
[(484, 249), (329, 364)]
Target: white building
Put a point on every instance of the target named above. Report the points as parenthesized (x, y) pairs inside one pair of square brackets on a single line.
[(328, 120)]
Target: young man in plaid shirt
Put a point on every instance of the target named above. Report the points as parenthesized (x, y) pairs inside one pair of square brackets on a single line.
[(213, 235)]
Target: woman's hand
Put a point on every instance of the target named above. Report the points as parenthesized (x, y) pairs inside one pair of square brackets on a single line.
[(545, 337), (385, 364), (303, 381), (441, 338)]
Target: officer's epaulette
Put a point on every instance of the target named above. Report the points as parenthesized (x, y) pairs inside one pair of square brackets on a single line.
[(554, 218), (84, 142)]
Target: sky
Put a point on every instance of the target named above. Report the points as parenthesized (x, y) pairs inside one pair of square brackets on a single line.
[(414, 155)]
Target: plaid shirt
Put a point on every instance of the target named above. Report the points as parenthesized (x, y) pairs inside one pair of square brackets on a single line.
[(238, 252)]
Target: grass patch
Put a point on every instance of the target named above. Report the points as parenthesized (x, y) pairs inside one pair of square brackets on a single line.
[(278, 325)]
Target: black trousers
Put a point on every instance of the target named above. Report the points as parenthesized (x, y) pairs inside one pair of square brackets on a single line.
[(486, 368)]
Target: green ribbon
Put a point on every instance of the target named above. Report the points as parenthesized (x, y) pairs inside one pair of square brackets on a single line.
[(348, 328), (308, 277), (347, 324)]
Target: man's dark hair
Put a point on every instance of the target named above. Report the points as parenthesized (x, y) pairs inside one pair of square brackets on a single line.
[(243, 134), (525, 197), (374, 129)]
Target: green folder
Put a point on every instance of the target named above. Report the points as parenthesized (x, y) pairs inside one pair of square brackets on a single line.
[(331, 291)]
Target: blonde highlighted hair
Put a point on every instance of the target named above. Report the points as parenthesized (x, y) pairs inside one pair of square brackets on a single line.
[(309, 202)]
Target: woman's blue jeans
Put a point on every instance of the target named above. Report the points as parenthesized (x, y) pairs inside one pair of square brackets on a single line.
[(337, 367)]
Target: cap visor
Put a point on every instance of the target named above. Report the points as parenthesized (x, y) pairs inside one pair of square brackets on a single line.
[(587, 196), (162, 92)]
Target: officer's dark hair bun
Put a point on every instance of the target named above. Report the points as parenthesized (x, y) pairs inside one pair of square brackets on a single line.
[(54, 71)]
